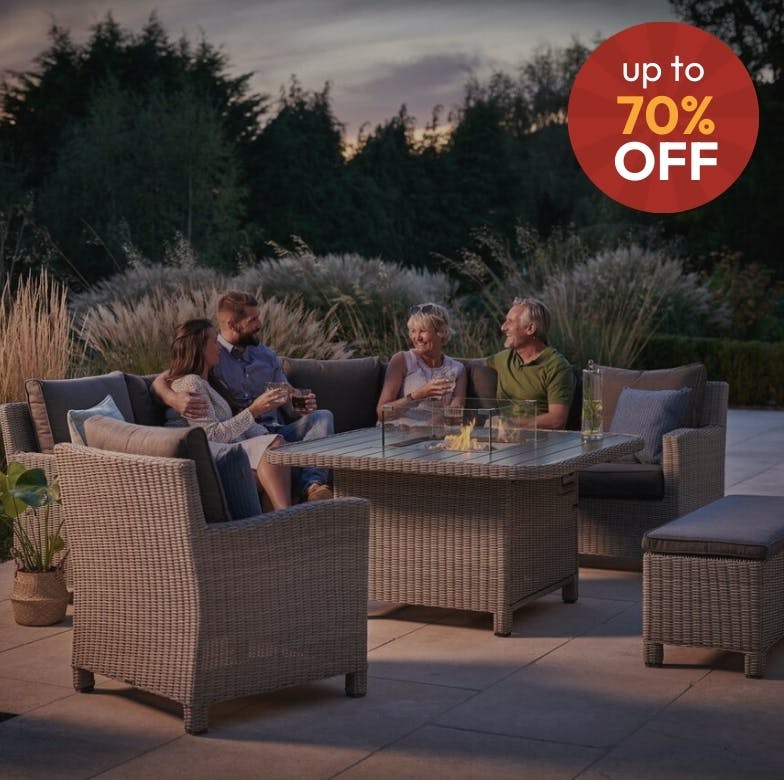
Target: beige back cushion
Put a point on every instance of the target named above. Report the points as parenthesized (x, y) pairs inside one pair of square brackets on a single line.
[(105, 433), (50, 399), (692, 375)]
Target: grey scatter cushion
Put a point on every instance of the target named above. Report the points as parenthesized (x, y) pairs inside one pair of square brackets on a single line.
[(76, 417), (650, 414)]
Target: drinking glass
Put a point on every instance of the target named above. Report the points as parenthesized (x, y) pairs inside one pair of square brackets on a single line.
[(281, 388), (299, 397), (592, 427)]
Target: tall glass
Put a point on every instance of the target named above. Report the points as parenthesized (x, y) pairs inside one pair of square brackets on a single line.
[(592, 424)]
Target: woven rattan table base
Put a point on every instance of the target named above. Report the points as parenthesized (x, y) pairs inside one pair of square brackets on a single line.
[(468, 543)]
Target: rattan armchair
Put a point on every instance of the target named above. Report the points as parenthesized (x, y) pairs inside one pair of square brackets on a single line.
[(692, 468), (201, 613)]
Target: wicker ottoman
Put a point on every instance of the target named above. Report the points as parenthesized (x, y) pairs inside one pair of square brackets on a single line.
[(715, 578)]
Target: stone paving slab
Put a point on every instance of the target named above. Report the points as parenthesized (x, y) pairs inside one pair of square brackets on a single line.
[(566, 696)]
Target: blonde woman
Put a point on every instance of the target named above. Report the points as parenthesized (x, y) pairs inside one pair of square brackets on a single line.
[(424, 371)]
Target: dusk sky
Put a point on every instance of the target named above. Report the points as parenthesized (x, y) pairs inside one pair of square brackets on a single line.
[(377, 55)]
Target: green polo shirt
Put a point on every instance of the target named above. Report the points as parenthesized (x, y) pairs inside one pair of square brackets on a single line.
[(548, 379)]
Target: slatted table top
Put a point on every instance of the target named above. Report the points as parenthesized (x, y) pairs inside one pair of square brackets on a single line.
[(549, 454)]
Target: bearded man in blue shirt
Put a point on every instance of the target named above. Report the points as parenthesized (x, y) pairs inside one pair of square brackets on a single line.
[(244, 368)]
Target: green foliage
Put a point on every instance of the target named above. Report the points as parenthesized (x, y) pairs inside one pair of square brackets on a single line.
[(37, 105), (131, 136), (143, 169), (604, 304), (754, 28), (297, 173), (753, 369), (751, 293), (25, 501)]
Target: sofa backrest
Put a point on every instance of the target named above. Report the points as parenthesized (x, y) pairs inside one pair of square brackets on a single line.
[(106, 433), (49, 401), (482, 379), (693, 375), (348, 388)]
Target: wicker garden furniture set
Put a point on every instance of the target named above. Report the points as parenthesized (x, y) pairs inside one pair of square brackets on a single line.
[(485, 531)]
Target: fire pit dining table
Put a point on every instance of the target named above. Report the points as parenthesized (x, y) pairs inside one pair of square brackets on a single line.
[(485, 530)]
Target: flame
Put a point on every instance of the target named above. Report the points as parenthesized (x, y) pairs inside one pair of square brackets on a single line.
[(462, 440)]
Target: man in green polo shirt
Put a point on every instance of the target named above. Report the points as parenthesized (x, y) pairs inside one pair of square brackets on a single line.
[(530, 369)]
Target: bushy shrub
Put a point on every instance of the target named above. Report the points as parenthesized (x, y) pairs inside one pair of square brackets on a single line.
[(754, 299), (140, 278), (369, 298), (608, 306), (753, 369)]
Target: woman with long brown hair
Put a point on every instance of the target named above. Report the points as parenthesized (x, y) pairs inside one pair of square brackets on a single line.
[(194, 352)]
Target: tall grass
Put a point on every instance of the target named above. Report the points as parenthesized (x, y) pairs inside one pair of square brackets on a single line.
[(35, 333), (607, 307), (135, 335)]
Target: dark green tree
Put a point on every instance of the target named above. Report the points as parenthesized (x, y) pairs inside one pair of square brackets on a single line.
[(296, 172), (754, 28), (129, 135), (140, 170), (39, 104)]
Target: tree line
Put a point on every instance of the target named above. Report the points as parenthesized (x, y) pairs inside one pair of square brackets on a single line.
[(133, 141)]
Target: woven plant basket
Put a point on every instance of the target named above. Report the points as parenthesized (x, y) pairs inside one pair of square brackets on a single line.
[(39, 598)]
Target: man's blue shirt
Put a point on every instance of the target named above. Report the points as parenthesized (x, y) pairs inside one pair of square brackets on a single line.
[(245, 371)]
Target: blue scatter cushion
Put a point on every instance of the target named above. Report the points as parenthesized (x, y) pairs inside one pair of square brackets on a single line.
[(650, 414), (77, 417)]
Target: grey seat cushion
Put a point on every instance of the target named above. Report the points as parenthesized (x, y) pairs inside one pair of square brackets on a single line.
[(741, 526), (622, 481), (348, 388), (105, 433), (50, 399)]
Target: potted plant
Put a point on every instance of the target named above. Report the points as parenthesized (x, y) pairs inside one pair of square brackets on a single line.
[(39, 595)]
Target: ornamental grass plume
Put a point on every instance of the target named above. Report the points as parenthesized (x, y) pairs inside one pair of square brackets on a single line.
[(36, 334), (135, 335)]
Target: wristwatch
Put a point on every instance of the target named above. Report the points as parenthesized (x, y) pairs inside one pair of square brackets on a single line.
[(409, 397)]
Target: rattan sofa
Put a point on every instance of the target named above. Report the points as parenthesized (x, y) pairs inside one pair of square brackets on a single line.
[(202, 612), (619, 502)]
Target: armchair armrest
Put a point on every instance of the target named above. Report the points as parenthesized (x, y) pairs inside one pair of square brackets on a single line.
[(16, 429), (693, 466), (300, 558)]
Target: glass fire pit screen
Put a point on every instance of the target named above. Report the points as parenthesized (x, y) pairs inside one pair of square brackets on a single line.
[(481, 425)]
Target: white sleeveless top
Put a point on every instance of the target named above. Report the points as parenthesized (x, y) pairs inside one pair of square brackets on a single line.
[(418, 373)]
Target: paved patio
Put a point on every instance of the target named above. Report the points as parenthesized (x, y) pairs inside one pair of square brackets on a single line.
[(566, 696)]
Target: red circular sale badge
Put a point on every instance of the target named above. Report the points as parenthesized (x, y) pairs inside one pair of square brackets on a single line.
[(663, 117)]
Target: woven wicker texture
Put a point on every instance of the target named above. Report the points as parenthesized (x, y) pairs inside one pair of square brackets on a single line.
[(693, 468), (724, 603), (464, 530), (198, 613), (39, 598)]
